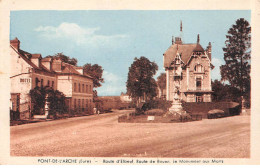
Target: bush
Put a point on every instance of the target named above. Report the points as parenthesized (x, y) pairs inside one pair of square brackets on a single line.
[(55, 99), (216, 113), (139, 111), (185, 117), (155, 112), (153, 104), (157, 104)]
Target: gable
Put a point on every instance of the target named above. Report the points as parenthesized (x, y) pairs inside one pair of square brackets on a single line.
[(19, 63), (185, 50), (203, 61)]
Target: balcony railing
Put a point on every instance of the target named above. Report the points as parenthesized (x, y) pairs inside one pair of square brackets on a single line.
[(199, 89)]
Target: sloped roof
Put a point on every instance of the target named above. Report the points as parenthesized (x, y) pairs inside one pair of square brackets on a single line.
[(68, 68), (27, 56), (198, 48), (185, 50), (71, 69)]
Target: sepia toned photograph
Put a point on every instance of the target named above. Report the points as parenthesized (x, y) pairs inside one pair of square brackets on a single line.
[(123, 83), (120, 83)]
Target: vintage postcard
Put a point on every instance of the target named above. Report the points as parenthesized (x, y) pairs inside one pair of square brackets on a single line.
[(124, 83)]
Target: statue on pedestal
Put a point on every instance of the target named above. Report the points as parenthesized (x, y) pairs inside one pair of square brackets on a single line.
[(176, 104)]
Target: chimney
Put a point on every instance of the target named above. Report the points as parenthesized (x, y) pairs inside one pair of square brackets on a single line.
[(79, 69), (198, 39), (178, 40), (15, 43), (47, 63), (56, 65), (35, 59)]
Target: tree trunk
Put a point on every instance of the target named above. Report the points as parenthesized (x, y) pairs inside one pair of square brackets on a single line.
[(241, 77)]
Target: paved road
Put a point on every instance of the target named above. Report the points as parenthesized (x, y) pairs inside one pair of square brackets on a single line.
[(103, 136)]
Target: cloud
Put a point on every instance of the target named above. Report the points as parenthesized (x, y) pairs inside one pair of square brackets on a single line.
[(79, 35), (113, 85), (215, 73)]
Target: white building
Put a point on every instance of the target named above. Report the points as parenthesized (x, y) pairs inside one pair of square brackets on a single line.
[(31, 70)]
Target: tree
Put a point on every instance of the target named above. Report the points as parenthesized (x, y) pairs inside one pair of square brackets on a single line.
[(38, 100), (55, 98), (224, 92), (96, 72), (140, 82), (237, 55), (161, 80), (57, 103), (64, 58)]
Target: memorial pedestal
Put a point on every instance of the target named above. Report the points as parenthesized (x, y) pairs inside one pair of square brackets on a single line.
[(176, 108)]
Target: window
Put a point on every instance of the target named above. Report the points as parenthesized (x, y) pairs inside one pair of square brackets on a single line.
[(75, 87), (36, 81), (18, 103), (89, 88), (41, 82), (52, 84), (86, 104), (82, 104), (199, 98), (86, 88), (198, 68), (79, 104), (79, 87), (75, 104), (198, 83), (48, 84), (83, 87)]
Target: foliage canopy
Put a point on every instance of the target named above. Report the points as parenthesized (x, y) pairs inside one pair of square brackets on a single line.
[(96, 72), (237, 55), (64, 58), (140, 82), (161, 81)]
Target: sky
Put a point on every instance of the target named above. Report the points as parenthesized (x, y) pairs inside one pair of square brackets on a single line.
[(113, 38)]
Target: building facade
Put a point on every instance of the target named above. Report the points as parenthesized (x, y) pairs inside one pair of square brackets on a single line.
[(31, 70), (125, 97), (188, 71), (78, 88)]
